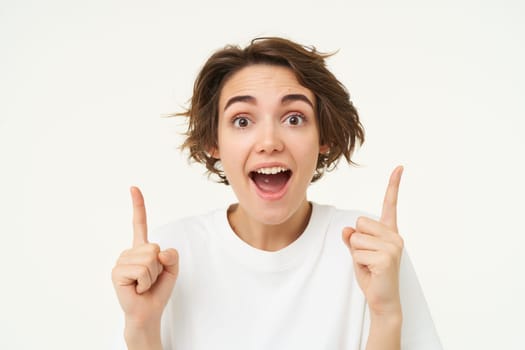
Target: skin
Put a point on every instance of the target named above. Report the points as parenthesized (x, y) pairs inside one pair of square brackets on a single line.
[(263, 129), (281, 128), (143, 278), (376, 249)]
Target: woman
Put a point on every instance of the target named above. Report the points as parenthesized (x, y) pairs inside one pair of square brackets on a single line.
[(271, 271)]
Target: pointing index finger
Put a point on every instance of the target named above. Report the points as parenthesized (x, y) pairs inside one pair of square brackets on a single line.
[(389, 212), (140, 227)]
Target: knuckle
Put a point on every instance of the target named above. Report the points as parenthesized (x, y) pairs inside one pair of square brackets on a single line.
[(121, 259), (393, 249), (126, 252), (143, 273), (154, 270), (355, 239), (153, 248), (397, 242), (115, 273), (400, 242), (151, 259), (361, 220)]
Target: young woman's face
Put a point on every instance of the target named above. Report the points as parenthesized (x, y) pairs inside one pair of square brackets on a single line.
[(268, 141)]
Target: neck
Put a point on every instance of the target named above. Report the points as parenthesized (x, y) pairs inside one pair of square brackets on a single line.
[(269, 237)]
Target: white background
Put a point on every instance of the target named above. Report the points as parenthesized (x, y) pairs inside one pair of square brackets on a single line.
[(439, 85)]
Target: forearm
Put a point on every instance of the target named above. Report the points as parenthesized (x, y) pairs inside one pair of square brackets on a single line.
[(385, 332), (142, 338)]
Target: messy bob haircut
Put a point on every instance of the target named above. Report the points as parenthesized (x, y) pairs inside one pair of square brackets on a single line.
[(339, 125)]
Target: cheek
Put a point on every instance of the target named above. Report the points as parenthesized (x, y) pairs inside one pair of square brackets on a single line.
[(233, 152), (308, 147), (234, 145), (307, 157)]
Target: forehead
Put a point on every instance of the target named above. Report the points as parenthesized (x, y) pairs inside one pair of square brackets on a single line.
[(262, 81)]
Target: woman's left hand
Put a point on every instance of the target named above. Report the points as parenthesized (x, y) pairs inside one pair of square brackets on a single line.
[(376, 249)]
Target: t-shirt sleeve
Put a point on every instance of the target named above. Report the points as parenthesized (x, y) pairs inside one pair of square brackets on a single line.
[(418, 331)]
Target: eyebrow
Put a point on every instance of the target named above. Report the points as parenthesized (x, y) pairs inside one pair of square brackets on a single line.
[(296, 97), (284, 100), (242, 98)]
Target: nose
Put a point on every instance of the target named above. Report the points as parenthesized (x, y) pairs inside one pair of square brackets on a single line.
[(269, 139)]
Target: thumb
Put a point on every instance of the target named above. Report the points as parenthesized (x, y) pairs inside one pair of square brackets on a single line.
[(347, 232), (169, 259)]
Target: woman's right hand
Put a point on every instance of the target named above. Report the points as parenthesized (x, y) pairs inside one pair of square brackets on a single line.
[(144, 277)]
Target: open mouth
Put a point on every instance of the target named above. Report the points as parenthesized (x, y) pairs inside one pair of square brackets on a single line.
[(271, 180)]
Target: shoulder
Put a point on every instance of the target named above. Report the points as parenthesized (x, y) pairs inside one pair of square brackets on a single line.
[(338, 217), (332, 220), (188, 229)]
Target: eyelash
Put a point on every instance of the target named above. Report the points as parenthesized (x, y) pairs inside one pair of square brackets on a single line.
[(238, 118), (300, 116)]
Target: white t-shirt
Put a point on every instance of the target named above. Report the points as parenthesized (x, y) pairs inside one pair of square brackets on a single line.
[(230, 295)]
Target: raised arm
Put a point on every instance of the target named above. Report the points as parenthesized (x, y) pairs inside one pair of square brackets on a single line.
[(376, 249), (144, 277)]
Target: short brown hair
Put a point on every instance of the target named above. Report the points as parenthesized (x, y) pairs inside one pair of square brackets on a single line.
[(339, 125)]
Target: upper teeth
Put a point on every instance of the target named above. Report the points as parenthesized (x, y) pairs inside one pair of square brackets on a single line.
[(273, 170)]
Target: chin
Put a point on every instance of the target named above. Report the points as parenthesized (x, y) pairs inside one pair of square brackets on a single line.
[(273, 213)]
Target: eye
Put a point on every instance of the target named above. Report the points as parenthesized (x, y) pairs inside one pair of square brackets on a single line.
[(294, 119), (241, 122)]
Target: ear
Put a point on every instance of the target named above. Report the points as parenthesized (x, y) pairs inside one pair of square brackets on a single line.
[(214, 153), (324, 149)]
